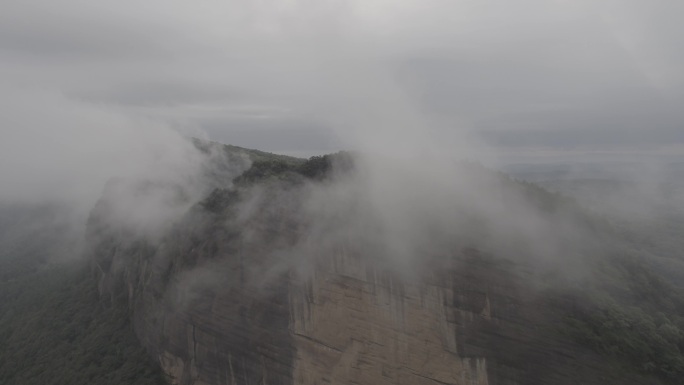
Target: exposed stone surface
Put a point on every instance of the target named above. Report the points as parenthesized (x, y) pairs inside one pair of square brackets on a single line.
[(372, 328)]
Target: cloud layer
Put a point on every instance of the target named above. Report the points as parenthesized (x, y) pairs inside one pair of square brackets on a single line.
[(95, 90), (555, 74)]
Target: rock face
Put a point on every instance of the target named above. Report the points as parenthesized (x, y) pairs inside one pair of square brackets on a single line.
[(354, 324), (214, 304)]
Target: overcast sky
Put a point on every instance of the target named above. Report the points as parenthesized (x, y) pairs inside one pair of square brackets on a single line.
[(528, 78)]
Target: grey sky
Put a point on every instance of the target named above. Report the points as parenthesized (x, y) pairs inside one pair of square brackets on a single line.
[(521, 77)]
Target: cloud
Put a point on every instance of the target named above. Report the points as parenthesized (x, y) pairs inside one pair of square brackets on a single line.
[(93, 91), (578, 70), (66, 152)]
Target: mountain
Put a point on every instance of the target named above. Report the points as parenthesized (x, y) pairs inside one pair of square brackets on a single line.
[(312, 272), (268, 269)]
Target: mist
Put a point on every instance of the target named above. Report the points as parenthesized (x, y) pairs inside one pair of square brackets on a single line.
[(362, 191), (109, 96)]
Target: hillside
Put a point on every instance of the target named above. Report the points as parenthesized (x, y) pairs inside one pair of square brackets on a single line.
[(288, 273), (53, 327), (285, 277)]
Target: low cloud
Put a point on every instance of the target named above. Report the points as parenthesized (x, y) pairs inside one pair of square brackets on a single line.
[(95, 92)]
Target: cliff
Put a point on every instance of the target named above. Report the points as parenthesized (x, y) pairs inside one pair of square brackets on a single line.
[(230, 295)]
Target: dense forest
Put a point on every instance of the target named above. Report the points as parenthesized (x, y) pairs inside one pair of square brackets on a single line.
[(54, 329)]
